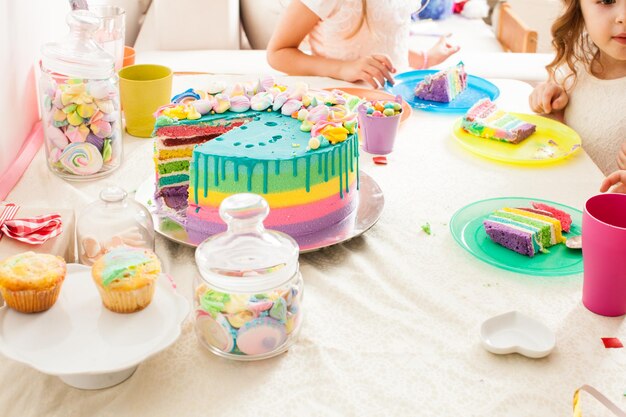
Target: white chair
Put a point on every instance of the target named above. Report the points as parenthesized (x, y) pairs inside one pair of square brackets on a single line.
[(259, 18), (173, 25)]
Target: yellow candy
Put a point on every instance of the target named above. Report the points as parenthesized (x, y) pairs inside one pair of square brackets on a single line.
[(335, 134), (239, 319), (177, 112), (192, 113), (74, 119), (86, 110), (306, 100)]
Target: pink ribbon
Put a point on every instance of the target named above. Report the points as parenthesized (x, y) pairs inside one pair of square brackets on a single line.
[(34, 230)]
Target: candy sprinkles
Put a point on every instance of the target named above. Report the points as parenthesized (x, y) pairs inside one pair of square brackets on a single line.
[(382, 108)]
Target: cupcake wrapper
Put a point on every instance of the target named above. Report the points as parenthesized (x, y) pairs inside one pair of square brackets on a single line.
[(121, 301), (31, 301)]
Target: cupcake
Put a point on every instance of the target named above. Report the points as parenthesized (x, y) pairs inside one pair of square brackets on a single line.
[(30, 282), (126, 278)]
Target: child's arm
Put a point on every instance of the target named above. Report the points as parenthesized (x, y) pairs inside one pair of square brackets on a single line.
[(283, 53), (619, 178), (549, 97), (434, 56)]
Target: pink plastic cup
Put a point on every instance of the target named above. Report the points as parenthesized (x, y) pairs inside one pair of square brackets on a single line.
[(604, 254), (379, 133)]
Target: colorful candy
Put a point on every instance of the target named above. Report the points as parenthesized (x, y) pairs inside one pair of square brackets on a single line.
[(81, 159), (82, 124), (247, 324), (382, 108), (239, 103), (327, 124)]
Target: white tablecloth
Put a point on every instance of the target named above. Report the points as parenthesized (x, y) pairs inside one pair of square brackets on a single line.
[(392, 317)]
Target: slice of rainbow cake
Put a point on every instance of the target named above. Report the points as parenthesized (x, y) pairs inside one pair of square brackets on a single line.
[(443, 86), (486, 120), (525, 231)]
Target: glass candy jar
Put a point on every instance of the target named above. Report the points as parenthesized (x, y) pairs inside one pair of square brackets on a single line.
[(112, 221), (248, 296), (80, 103)]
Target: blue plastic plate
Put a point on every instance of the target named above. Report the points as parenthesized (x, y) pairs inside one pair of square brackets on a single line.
[(477, 88)]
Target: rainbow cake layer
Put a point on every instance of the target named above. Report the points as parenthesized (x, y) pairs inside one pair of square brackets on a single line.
[(443, 86), (297, 148), (524, 230), (484, 119)]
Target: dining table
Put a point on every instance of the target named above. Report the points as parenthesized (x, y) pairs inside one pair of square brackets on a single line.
[(392, 317)]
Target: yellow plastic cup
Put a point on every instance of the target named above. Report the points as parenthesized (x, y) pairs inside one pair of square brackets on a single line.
[(143, 89)]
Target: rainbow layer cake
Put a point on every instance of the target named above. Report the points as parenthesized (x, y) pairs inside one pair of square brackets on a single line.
[(297, 148), (486, 120), (443, 86), (524, 230)]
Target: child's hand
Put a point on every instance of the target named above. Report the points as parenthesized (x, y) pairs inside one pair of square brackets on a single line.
[(373, 69), (441, 51), (619, 178), (621, 157), (548, 97)]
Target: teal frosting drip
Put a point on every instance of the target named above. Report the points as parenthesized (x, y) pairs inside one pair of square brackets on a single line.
[(326, 166), (250, 171), (307, 181), (340, 172), (206, 178), (216, 167), (120, 262)]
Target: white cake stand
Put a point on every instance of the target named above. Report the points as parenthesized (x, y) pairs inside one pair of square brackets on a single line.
[(83, 343)]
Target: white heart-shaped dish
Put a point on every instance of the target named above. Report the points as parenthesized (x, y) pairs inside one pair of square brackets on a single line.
[(514, 332)]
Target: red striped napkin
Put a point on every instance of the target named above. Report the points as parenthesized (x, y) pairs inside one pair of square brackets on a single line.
[(34, 230)]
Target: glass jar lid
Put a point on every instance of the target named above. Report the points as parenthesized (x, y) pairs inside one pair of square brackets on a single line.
[(78, 55), (247, 257)]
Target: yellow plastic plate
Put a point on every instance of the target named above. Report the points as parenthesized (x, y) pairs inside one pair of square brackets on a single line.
[(552, 141)]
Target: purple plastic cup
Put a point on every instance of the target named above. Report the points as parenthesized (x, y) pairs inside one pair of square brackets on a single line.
[(379, 133), (604, 254)]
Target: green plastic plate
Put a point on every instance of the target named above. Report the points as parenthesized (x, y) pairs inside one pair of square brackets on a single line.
[(467, 228)]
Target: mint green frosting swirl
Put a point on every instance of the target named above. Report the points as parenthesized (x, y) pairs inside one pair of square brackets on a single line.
[(121, 261)]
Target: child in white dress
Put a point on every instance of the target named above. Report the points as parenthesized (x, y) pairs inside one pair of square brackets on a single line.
[(350, 40), (587, 79)]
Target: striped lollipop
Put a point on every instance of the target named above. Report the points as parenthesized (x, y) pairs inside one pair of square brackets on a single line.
[(81, 158)]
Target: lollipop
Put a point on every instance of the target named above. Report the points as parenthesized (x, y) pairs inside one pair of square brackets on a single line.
[(216, 332), (261, 336), (81, 158)]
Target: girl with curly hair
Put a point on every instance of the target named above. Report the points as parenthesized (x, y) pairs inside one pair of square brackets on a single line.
[(586, 86)]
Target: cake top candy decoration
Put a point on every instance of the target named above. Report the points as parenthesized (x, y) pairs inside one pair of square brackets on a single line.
[(329, 116)]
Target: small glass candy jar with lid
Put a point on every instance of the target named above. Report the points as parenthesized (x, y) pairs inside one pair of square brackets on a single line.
[(112, 221), (80, 105), (248, 296)]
